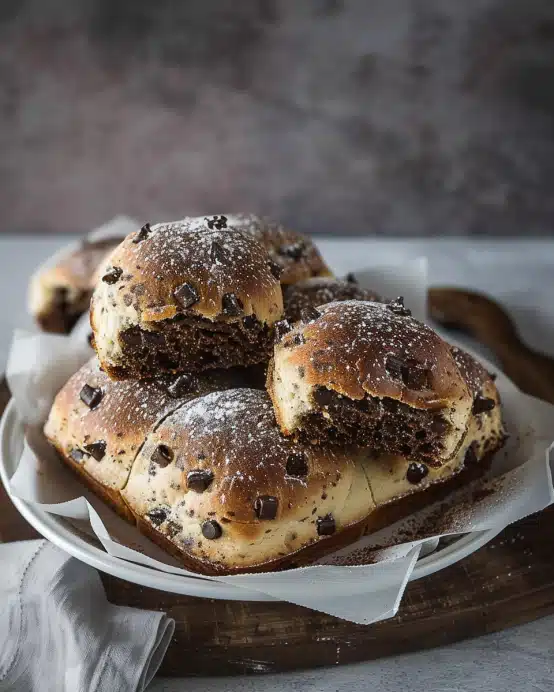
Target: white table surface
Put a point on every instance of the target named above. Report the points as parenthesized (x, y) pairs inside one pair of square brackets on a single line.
[(520, 275)]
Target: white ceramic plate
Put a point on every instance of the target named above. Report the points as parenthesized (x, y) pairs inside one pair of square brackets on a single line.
[(67, 538)]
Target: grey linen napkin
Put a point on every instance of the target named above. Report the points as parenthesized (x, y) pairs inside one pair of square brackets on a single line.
[(59, 633)]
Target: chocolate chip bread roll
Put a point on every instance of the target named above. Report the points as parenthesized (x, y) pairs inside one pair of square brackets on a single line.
[(98, 425), (219, 487), (186, 296), (369, 374), (299, 299), (61, 292), (294, 255)]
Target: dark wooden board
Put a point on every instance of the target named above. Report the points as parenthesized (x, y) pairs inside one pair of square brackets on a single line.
[(508, 582)]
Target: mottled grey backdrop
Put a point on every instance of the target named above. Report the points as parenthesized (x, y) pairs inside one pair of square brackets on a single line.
[(370, 116)]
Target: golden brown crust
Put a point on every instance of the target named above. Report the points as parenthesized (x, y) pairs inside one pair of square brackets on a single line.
[(347, 349), (296, 254)]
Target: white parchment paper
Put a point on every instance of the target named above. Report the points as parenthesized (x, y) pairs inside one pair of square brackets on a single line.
[(520, 481)]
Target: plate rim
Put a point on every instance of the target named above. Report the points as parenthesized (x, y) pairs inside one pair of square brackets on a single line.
[(52, 528)]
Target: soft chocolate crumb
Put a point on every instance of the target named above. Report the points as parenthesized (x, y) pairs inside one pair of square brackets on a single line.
[(211, 529), (186, 295), (183, 384), (309, 314), (265, 507), (281, 328), (275, 269), (232, 306), (162, 455), (297, 465), (96, 449), (113, 275), (416, 472), (142, 234), (326, 525), (199, 480), (132, 337), (482, 404), (152, 338), (250, 322), (301, 372), (157, 516), (397, 306), (91, 396)]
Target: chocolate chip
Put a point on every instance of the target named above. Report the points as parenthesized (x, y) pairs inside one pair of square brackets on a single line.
[(90, 339), (297, 466), (132, 337), (482, 404), (250, 322), (351, 278), (216, 221), (439, 425), (398, 308), (217, 253), (211, 529), (298, 340), (393, 366), (413, 374), (281, 328), (301, 371), (470, 458), (77, 455), (265, 507), (309, 314), (295, 251), (232, 306), (183, 384), (199, 480), (96, 449), (186, 295), (416, 376), (275, 269), (142, 234), (91, 396), (113, 275), (493, 376), (162, 455), (157, 516), (416, 472), (326, 525), (154, 338)]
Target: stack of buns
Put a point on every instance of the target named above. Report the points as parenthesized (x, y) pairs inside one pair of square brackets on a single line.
[(250, 412)]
